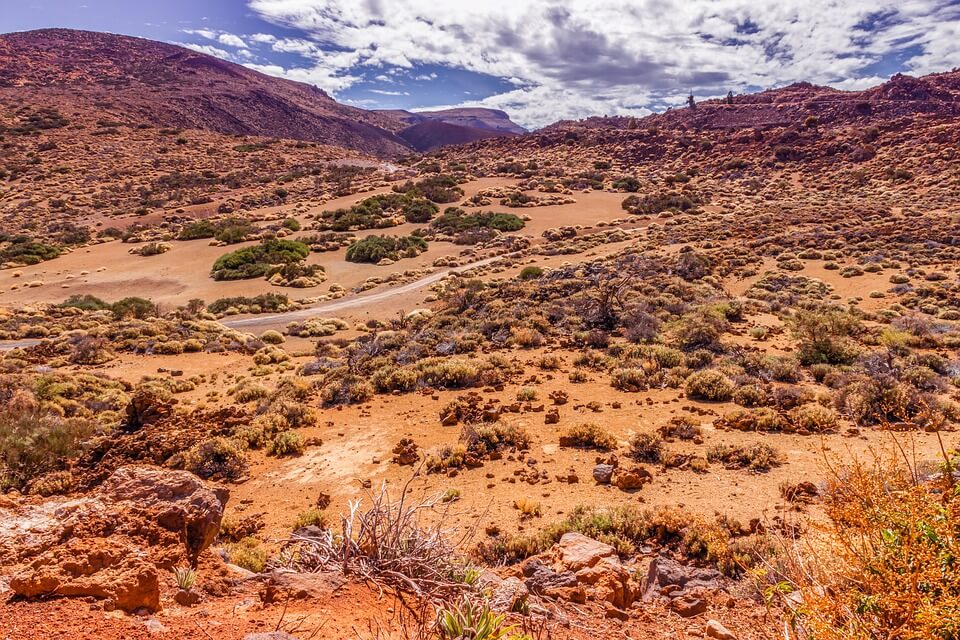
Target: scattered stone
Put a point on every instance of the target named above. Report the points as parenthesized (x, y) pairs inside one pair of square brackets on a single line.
[(602, 473), (405, 453), (716, 630), (632, 479), (282, 586), (688, 606), (187, 598)]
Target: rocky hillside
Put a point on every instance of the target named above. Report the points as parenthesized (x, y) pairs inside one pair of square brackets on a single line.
[(904, 127), (139, 81), (936, 95)]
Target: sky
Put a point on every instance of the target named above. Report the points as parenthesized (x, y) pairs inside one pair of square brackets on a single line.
[(539, 60)]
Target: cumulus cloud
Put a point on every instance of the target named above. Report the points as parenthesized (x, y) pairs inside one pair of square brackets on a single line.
[(584, 57)]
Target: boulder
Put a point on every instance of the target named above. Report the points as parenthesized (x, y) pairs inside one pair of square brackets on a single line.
[(664, 572), (177, 501), (114, 543), (100, 567), (577, 551), (610, 582)]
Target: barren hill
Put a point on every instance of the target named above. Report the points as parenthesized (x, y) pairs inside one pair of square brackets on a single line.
[(155, 83)]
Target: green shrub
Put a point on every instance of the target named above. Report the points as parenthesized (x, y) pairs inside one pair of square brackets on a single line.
[(287, 443), (311, 518), (379, 212), (248, 554), (373, 249), (256, 261), (85, 302), (23, 250), (440, 188), (133, 307)]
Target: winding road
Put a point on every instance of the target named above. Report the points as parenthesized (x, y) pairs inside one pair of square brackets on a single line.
[(360, 300), (273, 320)]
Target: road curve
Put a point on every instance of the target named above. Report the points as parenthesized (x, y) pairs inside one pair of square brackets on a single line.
[(361, 300)]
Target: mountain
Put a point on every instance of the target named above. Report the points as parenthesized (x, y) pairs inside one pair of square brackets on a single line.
[(427, 130), (148, 82)]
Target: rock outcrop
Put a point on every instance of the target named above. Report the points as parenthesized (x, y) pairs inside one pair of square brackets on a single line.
[(114, 543)]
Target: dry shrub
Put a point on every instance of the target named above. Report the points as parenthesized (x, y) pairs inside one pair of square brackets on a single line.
[(588, 436), (757, 457), (814, 418), (721, 543), (218, 458), (711, 385), (400, 542), (349, 389), (646, 447), (887, 566), (632, 379)]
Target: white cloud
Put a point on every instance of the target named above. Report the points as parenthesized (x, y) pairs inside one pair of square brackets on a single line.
[(221, 37), (208, 49), (582, 57), (263, 38), (231, 40), (383, 92), (328, 81)]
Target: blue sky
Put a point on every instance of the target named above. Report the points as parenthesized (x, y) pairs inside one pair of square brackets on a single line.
[(540, 60)]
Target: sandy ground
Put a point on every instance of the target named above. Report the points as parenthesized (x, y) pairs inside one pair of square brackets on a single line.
[(109, 271)]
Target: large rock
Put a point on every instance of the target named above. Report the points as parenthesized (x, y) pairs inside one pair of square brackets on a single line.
[(577, 551), (99, 567), (609, 581), (541, 579), (178, 501), (114, 543)]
